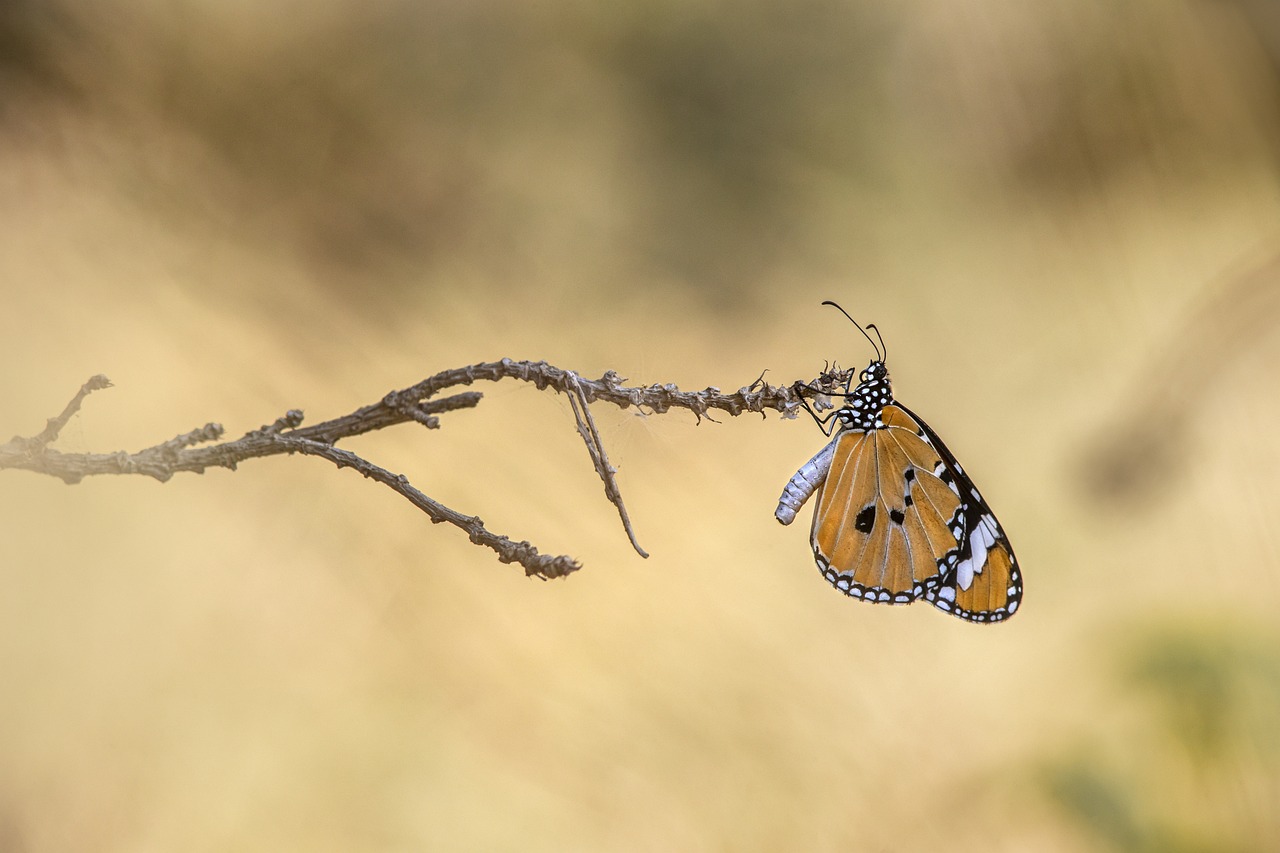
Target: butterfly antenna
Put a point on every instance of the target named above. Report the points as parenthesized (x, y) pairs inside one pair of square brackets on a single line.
[(879, 351), (884, 350)]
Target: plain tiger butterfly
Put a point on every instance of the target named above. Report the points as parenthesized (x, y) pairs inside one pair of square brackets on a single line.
[(897, 519)]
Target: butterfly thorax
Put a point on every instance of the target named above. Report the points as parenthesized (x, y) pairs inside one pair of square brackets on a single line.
[(862, 405)]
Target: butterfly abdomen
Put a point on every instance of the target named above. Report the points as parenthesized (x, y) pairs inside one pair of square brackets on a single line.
[(805, 482)]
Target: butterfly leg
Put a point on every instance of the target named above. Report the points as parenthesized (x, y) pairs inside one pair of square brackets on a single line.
[(824, 423)]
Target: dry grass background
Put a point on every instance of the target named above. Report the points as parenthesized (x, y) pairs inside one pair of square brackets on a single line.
[(233, 210)]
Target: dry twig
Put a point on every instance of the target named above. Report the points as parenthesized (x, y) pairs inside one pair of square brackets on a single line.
[(418, 403)]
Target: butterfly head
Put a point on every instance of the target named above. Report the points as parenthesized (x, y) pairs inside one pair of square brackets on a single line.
[(875, 371)]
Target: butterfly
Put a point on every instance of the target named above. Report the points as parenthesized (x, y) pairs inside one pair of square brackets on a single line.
[(897, 519)]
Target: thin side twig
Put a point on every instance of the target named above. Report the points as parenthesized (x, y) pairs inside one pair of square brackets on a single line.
[(53, 427), (595, 448), (524, 553)]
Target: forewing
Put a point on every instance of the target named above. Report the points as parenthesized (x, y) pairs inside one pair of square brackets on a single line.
[(884, 520)]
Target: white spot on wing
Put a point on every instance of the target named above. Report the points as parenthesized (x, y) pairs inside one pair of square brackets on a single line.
[(981, 540)]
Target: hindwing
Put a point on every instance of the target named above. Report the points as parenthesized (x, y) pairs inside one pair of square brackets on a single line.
[(981, 581)]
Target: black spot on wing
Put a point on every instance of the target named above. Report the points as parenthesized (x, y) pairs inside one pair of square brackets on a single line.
[(866, 519), (897, 516)]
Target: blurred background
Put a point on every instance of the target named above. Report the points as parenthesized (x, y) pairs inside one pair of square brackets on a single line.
[(1064, 216)]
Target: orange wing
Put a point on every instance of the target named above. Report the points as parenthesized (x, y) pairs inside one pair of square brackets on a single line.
[(884, 522)]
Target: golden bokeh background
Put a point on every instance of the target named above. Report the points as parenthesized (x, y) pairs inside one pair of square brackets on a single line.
[(1064, 216)]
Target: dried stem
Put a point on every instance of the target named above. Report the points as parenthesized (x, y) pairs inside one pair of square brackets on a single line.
[(417, 403)]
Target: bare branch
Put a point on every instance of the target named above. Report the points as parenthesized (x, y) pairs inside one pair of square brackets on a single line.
[(417, 403)]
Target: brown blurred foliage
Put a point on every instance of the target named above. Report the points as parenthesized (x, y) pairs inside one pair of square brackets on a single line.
[(691, 143)]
